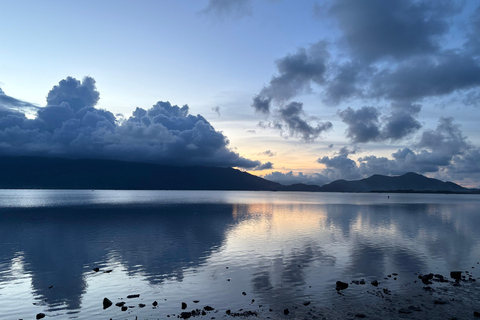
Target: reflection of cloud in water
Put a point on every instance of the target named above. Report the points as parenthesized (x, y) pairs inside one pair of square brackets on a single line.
[(278, 250), (61, 245)]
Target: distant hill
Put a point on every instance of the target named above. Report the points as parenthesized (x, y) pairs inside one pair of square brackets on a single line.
[(409, 182), (58, 173)]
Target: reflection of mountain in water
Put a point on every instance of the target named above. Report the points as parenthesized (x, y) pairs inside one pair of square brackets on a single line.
[(60, 245)]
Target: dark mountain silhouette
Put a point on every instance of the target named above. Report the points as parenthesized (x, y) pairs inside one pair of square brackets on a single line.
[(57, 173), (409, 182)]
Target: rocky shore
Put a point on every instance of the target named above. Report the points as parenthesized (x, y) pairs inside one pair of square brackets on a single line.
[(433, 296)]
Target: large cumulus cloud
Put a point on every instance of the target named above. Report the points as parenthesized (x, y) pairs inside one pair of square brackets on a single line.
[(70, 126)]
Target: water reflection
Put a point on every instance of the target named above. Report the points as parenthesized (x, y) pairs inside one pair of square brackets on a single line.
[(283, 249)]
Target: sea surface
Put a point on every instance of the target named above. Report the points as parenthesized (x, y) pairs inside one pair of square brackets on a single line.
[(274, 254)]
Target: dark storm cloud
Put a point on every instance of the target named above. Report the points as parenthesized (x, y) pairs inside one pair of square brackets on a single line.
[(427, 77), (376, 29), (366, 124), (473, 43), (362, 124), (261, 104), (296, 74), (229, 8), (292, 123), (70, 126), (401, 121)]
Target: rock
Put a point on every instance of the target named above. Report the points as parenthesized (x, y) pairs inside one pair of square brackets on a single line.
[(475, 314), (341, 285), (106, 303), (120, 304), (244, 293), (40, 315), (426, 278), (155, 303), (208, 308), (286, 312), (457, 275), (439, 301), (131, 296), (362, 281), (124, 308), (51, 287), (374, 283), (184, 306), (108, 271), (185, 315), (96, 269), (360, 315), (141, 305), (196, 301), (228, 311), (306, 303)]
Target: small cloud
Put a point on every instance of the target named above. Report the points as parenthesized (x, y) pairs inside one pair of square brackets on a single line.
[(268, 153), (216, 110)]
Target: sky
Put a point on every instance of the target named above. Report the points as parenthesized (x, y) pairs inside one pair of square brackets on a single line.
[(296, 92)]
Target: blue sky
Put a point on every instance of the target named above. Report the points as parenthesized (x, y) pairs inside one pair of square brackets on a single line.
[(328, 89)]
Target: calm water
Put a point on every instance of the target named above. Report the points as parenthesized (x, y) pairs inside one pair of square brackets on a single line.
[(281, 249)]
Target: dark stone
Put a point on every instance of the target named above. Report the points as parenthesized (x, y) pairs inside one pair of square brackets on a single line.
[(106, 303), (360, 315), (124, 308), (204, 313), (155, 303), (374, 283), (120, 304), (185, 315), (228, 311), (306, 303), (141, 305), (440, 302), (108, 271), (208, 308), (184, 306), (131, 296), (475, 314), (426, 279), (196, 301), (341, 285), (96, 269), (244, 293), (40, 315), (457, 275), (362, 281), (286, 311)]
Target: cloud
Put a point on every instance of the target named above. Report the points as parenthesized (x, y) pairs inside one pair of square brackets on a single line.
[(7, 102), (229, 8), (264, 166), (290, 178), (291, 121), (401, 121), (268, 153), (427, 77), (70, 126), (216, 110), (377, 29), (339, 167), (362, 124), (296, 73), (261, 104)]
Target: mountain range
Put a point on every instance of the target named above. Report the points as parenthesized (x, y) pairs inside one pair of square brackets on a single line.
[(59, 173)]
